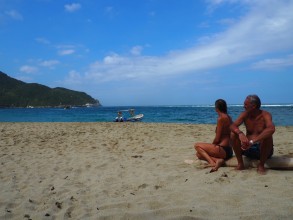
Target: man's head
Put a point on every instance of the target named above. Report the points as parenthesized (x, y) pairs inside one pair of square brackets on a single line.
[(252, 102)]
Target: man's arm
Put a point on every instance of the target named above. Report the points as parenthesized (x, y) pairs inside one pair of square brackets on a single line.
[(234, 127)]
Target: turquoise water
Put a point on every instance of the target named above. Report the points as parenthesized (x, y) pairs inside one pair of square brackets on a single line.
[(282, 114)]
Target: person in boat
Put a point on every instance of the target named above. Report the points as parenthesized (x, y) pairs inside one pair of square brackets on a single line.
[(131, 112), (257, 143), (219, 150), (119, 117)]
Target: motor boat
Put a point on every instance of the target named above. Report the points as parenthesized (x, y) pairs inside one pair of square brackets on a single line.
[(132, 118)]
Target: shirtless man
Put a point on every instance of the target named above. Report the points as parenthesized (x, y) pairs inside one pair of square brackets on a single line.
[(258, 141)]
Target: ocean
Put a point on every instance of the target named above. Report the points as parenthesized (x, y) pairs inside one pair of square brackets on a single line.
[(197, 114)]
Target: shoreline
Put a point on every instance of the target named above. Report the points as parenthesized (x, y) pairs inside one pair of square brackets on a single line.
[(102, 170)]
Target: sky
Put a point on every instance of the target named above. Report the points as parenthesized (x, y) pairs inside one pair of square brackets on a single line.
[(152, 52)]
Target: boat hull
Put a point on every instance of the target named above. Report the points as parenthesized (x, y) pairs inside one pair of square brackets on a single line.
[(136, 118)]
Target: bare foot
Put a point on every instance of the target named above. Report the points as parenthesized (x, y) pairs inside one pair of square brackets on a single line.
[(261, 169), (208, 165), (218, 164), (240, 167)]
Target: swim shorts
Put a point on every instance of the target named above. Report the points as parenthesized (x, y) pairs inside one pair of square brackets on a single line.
[(254, 152), (229, 151)]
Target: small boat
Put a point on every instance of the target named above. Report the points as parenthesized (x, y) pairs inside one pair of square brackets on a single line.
[(132, 118), (135, 117)]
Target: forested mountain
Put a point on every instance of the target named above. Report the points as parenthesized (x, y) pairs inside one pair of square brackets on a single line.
[(15, 93)]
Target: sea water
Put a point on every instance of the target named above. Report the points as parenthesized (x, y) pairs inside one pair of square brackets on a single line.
[(198, 114)]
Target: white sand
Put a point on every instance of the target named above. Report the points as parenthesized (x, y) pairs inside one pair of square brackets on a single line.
[(131, 171)]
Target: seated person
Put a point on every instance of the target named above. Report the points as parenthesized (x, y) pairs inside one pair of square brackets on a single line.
[(131, 112), (219, 150), (257, 143), (119, 117)]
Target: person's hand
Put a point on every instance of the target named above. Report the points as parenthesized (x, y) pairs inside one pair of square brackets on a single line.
[(250, 143), (244, 142)]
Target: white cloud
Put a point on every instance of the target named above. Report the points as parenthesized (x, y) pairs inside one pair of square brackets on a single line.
[(72, 7), (136, 50), (14, 15), (28, 69), (227, 21), (74, 77), (66, 52), (274, 63), (266, 28), (42, 40), (114, 59), (49, 63), (67, 49)]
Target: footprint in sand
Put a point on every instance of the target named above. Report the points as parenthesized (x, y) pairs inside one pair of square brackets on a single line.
[(189, 161)]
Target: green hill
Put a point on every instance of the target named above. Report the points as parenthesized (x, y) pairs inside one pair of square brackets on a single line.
[(15, 93)]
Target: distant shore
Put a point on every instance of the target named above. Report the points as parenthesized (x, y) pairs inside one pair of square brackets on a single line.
[(131, 171), (57, 106)]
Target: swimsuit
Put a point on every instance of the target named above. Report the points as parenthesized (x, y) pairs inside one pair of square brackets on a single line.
[(254, 152), (228, 150)]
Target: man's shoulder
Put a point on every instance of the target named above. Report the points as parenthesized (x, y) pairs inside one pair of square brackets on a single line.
[(264, 113), (241, 118), (243, 114), (267, 115)]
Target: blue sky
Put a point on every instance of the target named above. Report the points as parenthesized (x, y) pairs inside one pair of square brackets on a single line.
[(152, 52)]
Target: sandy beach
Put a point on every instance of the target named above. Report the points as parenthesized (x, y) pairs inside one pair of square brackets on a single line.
[(131, 171)]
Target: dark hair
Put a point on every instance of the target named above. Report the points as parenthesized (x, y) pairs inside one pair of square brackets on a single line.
[(221, 105), (254, 99)]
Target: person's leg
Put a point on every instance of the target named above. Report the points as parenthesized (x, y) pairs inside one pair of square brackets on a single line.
[(199, 155), (266, 148), (236, 144), (218, 164), (202, 154), (209, 152)]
